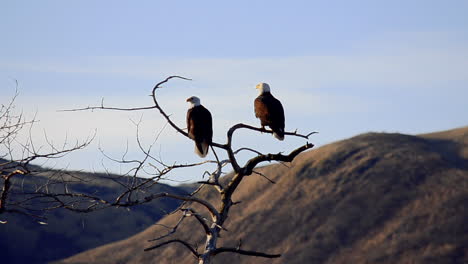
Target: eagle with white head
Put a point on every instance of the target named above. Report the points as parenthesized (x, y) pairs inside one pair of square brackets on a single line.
[(269, 110), (199, 126)]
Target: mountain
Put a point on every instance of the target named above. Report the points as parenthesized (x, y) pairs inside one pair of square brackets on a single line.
[(25, 240), (373, 198)]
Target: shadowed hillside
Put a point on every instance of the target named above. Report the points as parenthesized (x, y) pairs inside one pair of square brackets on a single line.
[(24, 240), (373, 198)]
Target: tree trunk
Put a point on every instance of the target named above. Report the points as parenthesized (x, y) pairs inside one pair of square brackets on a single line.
[(210, 245)]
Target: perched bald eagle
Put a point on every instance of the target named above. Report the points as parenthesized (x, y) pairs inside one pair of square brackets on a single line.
[(269, 110), (199, 126)]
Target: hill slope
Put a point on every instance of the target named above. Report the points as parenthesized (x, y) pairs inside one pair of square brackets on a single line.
[(24, 240), (373, 198)]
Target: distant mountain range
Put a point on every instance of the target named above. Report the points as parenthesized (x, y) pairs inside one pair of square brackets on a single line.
[(373, 198), (24, 240)]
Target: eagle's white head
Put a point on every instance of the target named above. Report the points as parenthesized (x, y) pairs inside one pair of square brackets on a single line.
[(193, 101), (263, 88)]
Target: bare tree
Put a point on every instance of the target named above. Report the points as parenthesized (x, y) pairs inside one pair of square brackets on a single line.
[(17, 152), (213, 217)]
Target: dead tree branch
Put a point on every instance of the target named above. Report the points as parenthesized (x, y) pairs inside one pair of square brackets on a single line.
[(244, 252), (172, 231), (6, 188), (184, 243)]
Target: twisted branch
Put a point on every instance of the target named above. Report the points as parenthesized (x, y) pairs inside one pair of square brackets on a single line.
[(156, 104)]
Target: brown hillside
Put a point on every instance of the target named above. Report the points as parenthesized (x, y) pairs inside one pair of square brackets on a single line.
[(373, 198)]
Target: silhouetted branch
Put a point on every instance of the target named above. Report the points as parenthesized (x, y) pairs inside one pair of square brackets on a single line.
[(149, 198), (187, 245), (102, 107), (172, 231), (264, 176), (248, 149), (240, 125), (244, 252), (247, 170), (252, 163), (230, 133), (156, 104), (186, 212), (202, 220)]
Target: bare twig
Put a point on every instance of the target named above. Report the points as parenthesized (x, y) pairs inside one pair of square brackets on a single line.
[(172, 231), (161, 111), (248, 149), (187, 245), (102, 107), (244, 252), (264, 176)]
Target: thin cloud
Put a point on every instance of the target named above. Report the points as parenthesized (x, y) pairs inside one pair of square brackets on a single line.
[(400, 67)]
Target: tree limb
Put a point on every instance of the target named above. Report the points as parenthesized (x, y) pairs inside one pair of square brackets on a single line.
[(102, 107), (187, 245), (156, 104), (276, 157), (247, 170), (264, 176), (241, 125), (171, 232), (6, 188), (202, 220), (230, 133), (244, 252), (205, 203)]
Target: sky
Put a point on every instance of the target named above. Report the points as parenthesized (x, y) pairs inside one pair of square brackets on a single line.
[(339, 67)]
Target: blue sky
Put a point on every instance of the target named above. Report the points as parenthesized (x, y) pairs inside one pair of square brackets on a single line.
[(339, 67)]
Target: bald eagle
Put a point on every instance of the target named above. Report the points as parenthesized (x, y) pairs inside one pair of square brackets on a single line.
[(199, 126), (269, 110)]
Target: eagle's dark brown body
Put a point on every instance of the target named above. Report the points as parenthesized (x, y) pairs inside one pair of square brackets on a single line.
[(200, 128), (271, 113)]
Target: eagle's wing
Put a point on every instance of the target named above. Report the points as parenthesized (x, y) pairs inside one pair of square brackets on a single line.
[(261, 110), (189, 121)]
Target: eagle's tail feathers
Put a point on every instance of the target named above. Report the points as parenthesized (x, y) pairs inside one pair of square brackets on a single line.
[(279, 134), (201, 148)]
